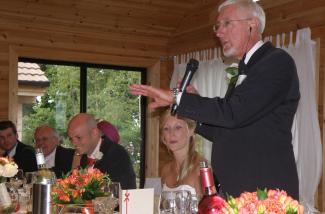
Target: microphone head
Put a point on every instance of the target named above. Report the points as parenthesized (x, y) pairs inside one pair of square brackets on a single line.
[(192, 65)]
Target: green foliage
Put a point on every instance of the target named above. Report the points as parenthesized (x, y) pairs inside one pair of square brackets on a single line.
[(292, 210), (261, 194), (233, 71), (232, 203)]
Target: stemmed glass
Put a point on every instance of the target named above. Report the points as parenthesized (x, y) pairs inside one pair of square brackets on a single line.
[(30, 177), (114, 188), (18, 180), (107, 204), (168, 202)]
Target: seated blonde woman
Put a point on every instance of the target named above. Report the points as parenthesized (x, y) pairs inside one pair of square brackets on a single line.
[(177, 134)]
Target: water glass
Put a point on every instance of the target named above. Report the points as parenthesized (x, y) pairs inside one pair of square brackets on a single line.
[(194, 205), (114, 188), (18, 180), (168, 202), (105, 205), (183, 201), (30, 177)]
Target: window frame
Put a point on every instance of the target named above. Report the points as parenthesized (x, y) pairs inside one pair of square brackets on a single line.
[(83, 95)]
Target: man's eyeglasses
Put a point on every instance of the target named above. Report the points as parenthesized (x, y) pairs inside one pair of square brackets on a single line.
[(227, 23)]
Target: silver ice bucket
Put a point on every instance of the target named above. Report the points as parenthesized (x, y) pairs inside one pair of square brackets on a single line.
[(41, 198)]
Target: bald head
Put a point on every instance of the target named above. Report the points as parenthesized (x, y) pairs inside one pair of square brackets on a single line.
[(46, 138), (83, 133)]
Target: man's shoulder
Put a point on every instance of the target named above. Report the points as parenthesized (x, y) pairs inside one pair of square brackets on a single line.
[(111, 146), (21, 147), (114, 151), (64, 150)]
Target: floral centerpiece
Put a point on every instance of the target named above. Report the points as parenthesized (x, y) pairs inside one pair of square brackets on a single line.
[(263, 202), (80, 186), (8, 169)]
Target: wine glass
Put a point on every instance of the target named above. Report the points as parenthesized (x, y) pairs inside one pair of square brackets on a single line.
[(30, 177), (114, 188), (194, 204), (168, 202), (18, 180), (183, 201)]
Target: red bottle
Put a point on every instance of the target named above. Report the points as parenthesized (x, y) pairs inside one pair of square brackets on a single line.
[(210, 203)]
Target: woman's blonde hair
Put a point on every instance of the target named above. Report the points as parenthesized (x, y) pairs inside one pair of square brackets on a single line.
[(192, 156)]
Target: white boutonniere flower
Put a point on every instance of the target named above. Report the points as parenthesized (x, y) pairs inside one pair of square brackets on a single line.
[(232, 71), (98, 155), (233, 75)]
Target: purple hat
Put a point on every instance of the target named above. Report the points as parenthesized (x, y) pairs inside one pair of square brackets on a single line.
[(109, 130)]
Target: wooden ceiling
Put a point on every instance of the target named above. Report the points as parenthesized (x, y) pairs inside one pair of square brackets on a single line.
[(144, 28), (139, 19)]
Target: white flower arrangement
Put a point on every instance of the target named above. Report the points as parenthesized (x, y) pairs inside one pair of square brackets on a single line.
[(8, 168)]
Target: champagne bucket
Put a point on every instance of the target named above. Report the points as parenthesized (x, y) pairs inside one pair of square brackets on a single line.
[(41, 198)]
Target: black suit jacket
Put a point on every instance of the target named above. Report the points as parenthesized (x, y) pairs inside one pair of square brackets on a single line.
[(115, 162), (63, 161), (251, 131), (25, 157)]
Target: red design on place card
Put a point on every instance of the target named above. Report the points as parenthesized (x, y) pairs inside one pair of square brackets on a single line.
[(126, 200)]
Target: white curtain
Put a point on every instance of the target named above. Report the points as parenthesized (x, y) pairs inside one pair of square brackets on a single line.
[(210, 81)]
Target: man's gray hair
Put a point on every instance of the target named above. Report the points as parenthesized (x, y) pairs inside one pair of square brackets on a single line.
[(249, 5)]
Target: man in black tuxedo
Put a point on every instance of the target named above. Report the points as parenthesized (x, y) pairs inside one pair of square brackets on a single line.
[(58, 158), (23, 155), (99, 152), (251, 127)]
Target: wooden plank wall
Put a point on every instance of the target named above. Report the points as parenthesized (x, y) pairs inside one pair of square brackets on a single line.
[(59, 30), (282, 16)]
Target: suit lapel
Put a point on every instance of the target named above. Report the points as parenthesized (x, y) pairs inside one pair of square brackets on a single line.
[(103, 149), (244, 69), (18, 150), (57, 160)]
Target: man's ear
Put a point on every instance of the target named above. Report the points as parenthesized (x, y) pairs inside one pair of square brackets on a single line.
[(253, 25), (95, 132)]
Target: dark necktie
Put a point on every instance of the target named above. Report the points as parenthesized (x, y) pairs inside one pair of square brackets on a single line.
[(90, 161), (233, 80), (5, 154)]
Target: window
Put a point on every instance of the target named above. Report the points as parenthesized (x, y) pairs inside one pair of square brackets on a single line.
[(62, 89)]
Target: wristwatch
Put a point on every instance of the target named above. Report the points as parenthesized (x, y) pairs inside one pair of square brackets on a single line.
[(175, 92)]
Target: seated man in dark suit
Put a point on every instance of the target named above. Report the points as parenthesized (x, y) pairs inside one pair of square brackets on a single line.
[(56, 157), (23, 155), (99, 152)]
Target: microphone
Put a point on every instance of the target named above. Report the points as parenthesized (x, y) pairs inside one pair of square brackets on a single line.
[(191, 68)]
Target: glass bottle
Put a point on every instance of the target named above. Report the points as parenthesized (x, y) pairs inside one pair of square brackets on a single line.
[(44, 175), (210, 203)]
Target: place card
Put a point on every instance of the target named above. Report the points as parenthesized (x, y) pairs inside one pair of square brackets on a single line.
[(137, 201)]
